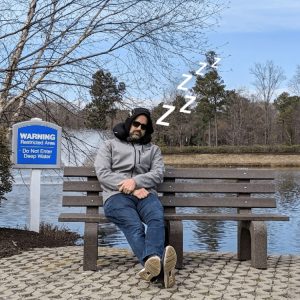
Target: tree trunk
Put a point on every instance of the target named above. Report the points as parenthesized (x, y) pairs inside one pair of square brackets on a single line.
[(209, 133), (266, 123), (216, 130)]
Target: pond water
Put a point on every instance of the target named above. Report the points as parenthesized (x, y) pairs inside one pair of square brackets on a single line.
[(283, 237)]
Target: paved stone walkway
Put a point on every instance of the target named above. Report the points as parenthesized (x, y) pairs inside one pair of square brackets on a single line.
[(57, 273)]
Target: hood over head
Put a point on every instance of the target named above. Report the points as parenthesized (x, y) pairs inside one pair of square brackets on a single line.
[(121, 130)]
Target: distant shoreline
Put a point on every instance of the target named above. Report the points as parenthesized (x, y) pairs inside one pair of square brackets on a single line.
[(233, 160)]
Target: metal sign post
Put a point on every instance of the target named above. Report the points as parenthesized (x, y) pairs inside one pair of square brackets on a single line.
[(35, 198), (36, 145)]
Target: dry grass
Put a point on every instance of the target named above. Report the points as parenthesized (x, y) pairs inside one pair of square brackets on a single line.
[(232, 160)]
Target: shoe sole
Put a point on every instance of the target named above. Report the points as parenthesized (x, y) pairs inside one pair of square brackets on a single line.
[(151, 269), (169, 263)]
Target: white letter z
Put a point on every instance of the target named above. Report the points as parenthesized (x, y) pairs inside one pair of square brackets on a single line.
[(214, 64), (171, 109), (180, 86), (183, 108), (203, 65)]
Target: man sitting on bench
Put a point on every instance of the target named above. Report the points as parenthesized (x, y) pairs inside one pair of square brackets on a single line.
[(129, 168)]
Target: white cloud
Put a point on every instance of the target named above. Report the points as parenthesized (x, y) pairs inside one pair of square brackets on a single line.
[(261, 16)]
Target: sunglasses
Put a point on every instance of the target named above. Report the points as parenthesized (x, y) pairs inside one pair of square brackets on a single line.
[(137, 124)]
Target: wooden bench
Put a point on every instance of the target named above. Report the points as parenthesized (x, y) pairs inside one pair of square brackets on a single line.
[(197, 187)]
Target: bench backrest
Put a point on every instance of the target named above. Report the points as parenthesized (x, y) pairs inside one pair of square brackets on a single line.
[(192, 187)]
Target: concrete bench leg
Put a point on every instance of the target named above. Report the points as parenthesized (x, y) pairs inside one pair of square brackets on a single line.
[(252, 243), (174, 237), (90, 249), (258, 231)]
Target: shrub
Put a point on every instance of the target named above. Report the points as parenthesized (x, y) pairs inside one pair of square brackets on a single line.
[(258, 149), (6, 178)]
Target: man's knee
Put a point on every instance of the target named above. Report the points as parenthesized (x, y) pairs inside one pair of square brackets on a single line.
[(120, 210), (156, 207), (115, 203), (152, 211)]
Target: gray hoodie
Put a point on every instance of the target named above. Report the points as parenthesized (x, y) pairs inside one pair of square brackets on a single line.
[(118, 160)]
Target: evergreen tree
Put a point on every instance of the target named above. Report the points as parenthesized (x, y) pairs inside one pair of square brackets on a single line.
[(106, 94), (288, 108), (5, 165), (211, 95)]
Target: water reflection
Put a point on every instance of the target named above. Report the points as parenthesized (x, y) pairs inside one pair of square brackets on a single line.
[(110, 235), (205, 235), (208, 234), (288, 189), (283, 237)]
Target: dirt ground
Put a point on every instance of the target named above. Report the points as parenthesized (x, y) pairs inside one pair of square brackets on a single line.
[(14, 241)]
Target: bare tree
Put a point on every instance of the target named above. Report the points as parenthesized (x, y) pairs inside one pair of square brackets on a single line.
[(294, 83), (50, 48), (237, 111), (267, 79)]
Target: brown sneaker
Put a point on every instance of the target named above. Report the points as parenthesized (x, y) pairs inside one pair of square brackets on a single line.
[(151, 269), (169, 263)]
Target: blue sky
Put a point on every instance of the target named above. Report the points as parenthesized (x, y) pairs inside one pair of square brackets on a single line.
[(257, 31)]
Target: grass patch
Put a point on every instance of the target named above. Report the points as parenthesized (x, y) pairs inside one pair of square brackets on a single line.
[(232, 160)]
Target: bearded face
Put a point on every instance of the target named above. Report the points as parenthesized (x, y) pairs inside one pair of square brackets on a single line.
[(138, 128)]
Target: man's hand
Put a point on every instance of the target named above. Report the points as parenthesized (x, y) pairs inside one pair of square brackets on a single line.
[(127, 186), (140, 193)]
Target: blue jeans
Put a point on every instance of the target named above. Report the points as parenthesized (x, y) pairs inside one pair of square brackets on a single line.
[(130, 214)]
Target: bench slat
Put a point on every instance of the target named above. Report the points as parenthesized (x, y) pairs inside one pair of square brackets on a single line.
[(192, 173), (82, 186), (227, 217), (178, 187), (81, 217), (203, 173), (78, 201), (169, 201), (238, 202), (79, 171)]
